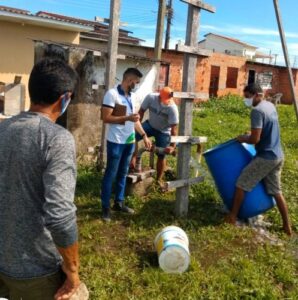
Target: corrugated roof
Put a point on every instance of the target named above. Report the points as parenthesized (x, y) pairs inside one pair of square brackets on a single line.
[(104, 37), (14, 10), (96, 49), (100, 30), (64, 18), (16, 15), (231, 40)]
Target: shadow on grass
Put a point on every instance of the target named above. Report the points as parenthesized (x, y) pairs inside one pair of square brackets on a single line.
[(155, 210), (147, 259), (161, 212)]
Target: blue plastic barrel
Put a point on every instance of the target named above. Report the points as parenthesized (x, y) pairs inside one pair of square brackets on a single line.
[(225, 163)]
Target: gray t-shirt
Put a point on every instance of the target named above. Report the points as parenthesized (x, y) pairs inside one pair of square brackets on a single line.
[(264, 116), (161, 117), (37, 184)]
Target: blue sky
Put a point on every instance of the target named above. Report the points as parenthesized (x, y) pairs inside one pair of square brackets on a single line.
[(252, 21)]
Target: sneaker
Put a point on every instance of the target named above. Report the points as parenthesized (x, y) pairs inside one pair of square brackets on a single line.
[(106, 214), (119, 206)]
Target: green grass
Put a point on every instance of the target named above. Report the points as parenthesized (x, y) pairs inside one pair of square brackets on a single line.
[(118, 260)]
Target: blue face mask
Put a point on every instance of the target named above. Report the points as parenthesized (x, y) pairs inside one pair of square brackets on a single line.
[(64, 103)]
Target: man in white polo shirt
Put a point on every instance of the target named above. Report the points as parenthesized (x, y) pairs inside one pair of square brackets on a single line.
[(120, 140)]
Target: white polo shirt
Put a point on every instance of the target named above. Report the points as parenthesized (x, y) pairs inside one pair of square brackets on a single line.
[(117, 133)]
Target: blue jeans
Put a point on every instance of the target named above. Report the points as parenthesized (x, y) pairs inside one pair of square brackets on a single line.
[(118, 159), (162, 140)]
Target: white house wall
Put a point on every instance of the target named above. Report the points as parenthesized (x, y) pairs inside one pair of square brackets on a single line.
[(221, 45)]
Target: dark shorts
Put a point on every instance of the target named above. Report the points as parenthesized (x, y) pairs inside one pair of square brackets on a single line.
[(162, 140)]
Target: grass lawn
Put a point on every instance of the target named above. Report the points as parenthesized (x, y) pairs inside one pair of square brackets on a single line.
[(118, 260)]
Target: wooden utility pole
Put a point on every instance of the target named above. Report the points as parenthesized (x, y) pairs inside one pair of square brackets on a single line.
[(111, 63), (286, 54), (186, 108), (159, 37), (169, 23)]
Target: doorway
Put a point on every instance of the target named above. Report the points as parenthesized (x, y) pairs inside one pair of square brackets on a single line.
[(214, 81), (163, 76), (251, 76)]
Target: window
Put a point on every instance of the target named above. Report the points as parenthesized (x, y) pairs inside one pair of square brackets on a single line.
[(232, 76), (265, 80)]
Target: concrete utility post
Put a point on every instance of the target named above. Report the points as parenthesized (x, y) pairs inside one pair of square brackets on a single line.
[(159, 37), (186, 108), (111, 62), (286, 54)]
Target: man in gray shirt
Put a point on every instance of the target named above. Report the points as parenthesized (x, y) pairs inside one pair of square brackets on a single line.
[(268, 162), (162, 123), (38, 237)]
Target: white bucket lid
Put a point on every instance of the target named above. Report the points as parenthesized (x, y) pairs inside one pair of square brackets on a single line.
[(174, 259)]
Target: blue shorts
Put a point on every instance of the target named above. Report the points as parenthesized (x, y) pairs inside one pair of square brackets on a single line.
[(162, 140)]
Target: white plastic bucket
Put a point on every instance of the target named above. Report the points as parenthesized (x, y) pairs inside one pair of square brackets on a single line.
[(172, 249)]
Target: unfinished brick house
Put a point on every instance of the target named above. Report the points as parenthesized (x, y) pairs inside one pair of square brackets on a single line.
[(221, 74)]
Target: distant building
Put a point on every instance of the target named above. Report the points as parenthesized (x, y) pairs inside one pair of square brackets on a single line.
[(18, 29), (230, 46)]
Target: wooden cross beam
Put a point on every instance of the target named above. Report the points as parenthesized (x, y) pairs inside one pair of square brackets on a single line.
[(182, 183), (201, 5), (193, 140), (186, 107), (193, 50), (190, 95)]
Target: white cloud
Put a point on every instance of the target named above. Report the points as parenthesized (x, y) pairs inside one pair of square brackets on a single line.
[(141, 26), (251, 35), (232, 29)]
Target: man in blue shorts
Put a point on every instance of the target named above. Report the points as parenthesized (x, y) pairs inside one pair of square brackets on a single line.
[(162, 123), (268, 162)]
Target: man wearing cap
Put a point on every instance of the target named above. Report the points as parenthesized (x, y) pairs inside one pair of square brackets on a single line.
[(162, 123)]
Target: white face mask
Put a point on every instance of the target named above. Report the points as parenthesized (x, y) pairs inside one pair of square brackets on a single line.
[(136, 87), (248, 102)]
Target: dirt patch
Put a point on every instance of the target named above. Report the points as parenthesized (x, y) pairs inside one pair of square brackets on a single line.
[(208, 254), (113, 238)]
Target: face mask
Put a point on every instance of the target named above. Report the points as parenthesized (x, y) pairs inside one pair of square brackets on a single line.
[(64, 103), (248, 102), (134, 88)]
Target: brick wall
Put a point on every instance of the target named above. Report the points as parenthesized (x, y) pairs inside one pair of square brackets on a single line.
[(280, 82), (203, 71), (223, 61), (285, 87)]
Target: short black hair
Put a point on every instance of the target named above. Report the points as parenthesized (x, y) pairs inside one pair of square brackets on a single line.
[(253, 89), (132, 71), (49, 79)]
